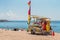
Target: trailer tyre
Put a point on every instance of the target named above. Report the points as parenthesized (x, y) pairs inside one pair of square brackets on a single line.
[(32, 31)]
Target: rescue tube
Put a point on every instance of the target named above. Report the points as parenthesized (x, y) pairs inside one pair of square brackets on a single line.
[(47, 28)]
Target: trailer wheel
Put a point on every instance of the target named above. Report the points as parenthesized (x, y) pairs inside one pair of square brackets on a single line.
[(32, 31)]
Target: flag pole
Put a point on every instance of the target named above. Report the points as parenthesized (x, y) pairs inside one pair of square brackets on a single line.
[(29, 12)]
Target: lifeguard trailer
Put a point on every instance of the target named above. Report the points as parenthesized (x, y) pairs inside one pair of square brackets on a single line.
[(39, 25)]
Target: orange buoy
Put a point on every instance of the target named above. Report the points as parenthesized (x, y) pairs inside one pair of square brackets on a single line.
[(53, 34)]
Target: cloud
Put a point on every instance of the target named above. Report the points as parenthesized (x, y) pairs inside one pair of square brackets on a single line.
[(10, 16)]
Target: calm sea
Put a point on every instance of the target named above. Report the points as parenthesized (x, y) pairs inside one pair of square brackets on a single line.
[(23, 24)]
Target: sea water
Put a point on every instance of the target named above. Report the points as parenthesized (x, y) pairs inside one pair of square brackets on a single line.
[(55, 26), (14, 24), (23, 25)]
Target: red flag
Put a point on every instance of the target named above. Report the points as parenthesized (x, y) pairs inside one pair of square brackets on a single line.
[(29, 11)]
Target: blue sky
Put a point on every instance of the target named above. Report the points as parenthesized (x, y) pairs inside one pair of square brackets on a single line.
[(18, 9)]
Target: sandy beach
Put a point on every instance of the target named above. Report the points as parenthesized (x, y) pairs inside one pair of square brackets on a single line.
[(23, 35)]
